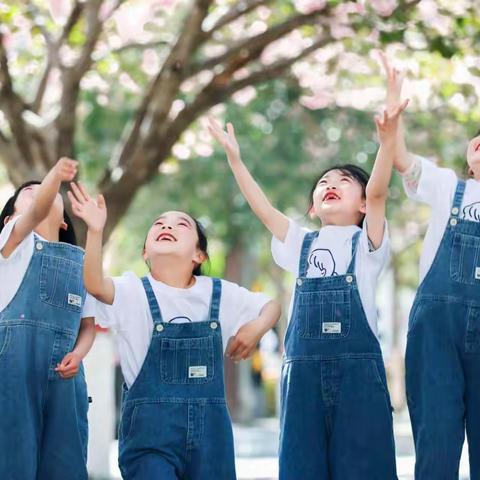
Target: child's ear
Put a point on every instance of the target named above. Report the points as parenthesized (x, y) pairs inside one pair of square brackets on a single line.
[(470, 172), (6, 219), (64, 226), (363, 207), (199, 257), (311, 213)]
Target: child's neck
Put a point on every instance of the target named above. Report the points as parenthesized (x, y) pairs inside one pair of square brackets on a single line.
[(173, 273), (48, 231)]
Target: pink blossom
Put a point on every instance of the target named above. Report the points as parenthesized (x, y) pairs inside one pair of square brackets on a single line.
[(317, 101), (384, 7), (59, 9), (309, 6)]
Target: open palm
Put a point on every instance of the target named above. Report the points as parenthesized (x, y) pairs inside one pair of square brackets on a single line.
[(225, 138), (93, 213), (394, 83)]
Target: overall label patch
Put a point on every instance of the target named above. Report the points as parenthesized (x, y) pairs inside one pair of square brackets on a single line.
[(197, 372), (75, 300), (477, 273), (331, 327)]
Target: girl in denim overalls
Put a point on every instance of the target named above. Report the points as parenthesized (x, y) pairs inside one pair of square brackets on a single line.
[(336, 419), (443, 342), (172, 330), (46, 329)]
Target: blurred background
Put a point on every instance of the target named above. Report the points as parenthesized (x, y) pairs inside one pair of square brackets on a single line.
[(124, 86)]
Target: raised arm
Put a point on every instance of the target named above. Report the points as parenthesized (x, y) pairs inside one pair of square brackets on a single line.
[(94, 214), (272, 218), (402, 160), (377, 188), (63, 171)]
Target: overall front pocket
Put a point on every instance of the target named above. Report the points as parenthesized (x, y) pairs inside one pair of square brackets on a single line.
[(323, 315), (61, 283), (465, 259), (187, 360)]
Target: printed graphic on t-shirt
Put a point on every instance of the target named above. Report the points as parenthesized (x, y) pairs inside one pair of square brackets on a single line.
[(472, 212), (180, 319), (323, 260)]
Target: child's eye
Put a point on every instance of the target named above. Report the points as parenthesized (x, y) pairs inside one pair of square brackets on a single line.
[(158, 223), (345, 179), (183, 224)]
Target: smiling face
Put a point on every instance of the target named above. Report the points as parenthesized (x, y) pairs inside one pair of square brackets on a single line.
[(174, 234), (473, 155), (338, 199)]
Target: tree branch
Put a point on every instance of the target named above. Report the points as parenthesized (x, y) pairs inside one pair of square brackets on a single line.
[(239, 9), (157, 102), (220, 88), (253, 46), (71, 77), (147, 159), (140, 46), (14, 106)]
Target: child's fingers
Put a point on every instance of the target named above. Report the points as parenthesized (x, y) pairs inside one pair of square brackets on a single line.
[(230, 130), (101, 201), (214, 126), (233, 347), (400, 109), (213, 132), (385, 117), (383, 60), (85, 194), (76, 191), (245, 353), (404, 105), (76, 205)]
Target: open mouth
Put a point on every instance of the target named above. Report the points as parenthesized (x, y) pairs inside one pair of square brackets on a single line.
[(330, 196), (166, 237)]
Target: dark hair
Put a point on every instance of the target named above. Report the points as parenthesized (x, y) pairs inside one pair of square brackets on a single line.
[(353, 171), (65, 236), (202, 245)]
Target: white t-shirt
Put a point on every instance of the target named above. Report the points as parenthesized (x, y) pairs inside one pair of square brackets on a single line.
[(436, 187), (15, 266), (331, 253), (129, 315)]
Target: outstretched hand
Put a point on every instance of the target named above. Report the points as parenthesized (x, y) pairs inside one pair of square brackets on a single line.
[(395, 80), (388, 124), (93, 213), (226, 138)]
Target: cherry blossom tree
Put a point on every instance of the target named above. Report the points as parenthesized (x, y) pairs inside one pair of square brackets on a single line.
[(166, 63)]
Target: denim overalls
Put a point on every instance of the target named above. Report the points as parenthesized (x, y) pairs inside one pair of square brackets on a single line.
[(43, 418), (175, 423), (336, 418), (443, 354)]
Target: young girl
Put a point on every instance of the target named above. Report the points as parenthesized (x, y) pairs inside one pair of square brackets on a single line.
[(443, 343), (172, 329), (336, 420), (46, 329)]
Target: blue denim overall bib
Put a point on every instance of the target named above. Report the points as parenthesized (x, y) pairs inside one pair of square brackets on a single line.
[(336, 418), (175, 422), (43, 418), (443, 354)]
